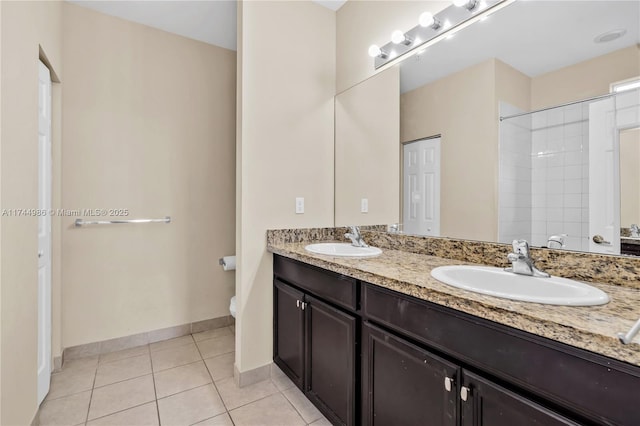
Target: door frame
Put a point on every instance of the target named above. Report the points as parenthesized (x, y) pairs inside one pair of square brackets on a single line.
[(44, 255)]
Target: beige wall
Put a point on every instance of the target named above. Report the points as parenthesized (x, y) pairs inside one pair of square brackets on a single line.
[(461, 109), (26, 27), (148, 121), (629, 177), (285, 149), (361, 23), (367, 158), (585, 79), (512, 87)]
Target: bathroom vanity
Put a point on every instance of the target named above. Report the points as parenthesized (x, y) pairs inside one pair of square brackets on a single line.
[(378, 341)]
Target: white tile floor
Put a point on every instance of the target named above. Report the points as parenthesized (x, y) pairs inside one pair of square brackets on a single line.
[(183, 381)]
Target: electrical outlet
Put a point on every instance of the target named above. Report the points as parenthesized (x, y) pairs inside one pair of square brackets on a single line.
[(364, 205), (299, 205)]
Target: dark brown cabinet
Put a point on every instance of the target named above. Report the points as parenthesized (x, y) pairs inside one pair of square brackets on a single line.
[(331, 360), (288, 331), (368, 355), (484, 403), (405, 385), (315, 341)]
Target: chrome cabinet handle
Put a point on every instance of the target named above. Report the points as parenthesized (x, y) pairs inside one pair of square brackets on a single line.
[(448, 382), (599, 239), (297, 303), (464, 393)]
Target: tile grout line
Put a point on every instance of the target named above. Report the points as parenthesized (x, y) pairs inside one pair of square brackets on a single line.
[(171, 347), (296, 410), (119, 359), (155, 391), (121, 411), (213, 382), (95, 374), (65, 396), (184, 390), (123, 380)]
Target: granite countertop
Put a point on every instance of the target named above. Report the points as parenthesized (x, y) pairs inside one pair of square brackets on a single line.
[(593, 328)]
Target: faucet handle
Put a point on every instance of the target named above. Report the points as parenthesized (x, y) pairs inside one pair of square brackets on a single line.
[(521, 247)]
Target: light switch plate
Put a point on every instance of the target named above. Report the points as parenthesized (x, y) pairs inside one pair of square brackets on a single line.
[(299, 205), (364, 205)]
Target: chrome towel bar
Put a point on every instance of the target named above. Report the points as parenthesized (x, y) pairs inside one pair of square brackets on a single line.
[(82, 222)]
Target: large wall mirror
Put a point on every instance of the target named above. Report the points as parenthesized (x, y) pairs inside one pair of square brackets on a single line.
[(494, 140)]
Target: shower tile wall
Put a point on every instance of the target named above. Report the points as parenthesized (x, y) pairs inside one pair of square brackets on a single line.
[(560, 176), (544, 176), (515, 200)]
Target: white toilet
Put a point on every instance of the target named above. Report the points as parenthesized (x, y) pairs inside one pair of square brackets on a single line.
[(232, 306)]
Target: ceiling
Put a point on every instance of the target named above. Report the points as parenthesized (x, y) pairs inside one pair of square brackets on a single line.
[(534, 37), (210, 21)]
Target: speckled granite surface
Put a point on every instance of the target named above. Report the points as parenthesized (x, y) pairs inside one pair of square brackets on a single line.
[(279, 236), (408, 272), (598, 268)]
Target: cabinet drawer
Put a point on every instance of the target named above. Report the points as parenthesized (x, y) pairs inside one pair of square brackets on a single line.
[(598, 388), (335, 288)]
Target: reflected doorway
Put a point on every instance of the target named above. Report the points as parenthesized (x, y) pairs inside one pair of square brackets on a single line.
[(421, 187)]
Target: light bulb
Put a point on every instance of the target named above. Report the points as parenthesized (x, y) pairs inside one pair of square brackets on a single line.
[(469, 4), (374, 51), (397, 37), (426, 19)]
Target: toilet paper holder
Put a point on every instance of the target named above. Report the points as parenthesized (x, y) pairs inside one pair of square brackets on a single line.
[(228, 263)]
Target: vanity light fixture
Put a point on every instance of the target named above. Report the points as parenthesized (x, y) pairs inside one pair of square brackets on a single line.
[(432, 28), (427, 19), (398, 37), (376, 52), (468, 4)]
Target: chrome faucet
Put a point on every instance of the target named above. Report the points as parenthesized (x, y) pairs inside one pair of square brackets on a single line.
[(635, 230), (355, 237), (556, 241), (521, 262)]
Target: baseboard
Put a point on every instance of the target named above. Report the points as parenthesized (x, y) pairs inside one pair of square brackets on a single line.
[(126, 342), (57, 363), (250, 377)]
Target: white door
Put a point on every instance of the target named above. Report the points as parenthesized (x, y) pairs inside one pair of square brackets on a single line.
[(421, 187), (604, 179), (44, 232)]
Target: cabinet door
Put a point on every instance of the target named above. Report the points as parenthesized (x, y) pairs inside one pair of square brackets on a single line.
[(403, 384), (484, 403), (331, 362), (288, 331)]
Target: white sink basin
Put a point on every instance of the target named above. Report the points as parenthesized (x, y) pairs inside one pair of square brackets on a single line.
[(500, 283), (342, 250)]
